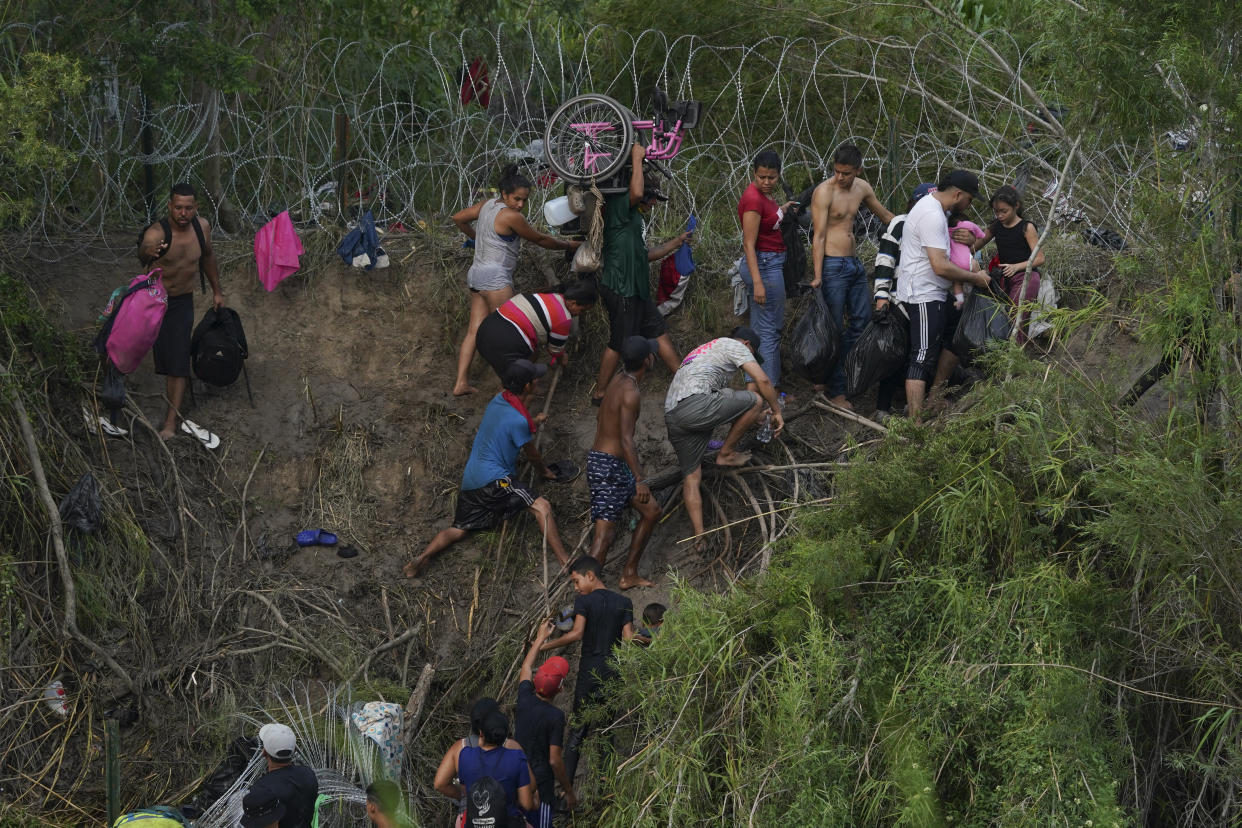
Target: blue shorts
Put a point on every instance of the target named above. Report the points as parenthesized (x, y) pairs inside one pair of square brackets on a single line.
[(612, 486)]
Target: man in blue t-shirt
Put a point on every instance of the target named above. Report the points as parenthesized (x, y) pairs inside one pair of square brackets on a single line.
[(489, 493)]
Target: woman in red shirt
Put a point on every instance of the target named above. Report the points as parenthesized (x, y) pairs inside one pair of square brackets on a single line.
[(764, 259)]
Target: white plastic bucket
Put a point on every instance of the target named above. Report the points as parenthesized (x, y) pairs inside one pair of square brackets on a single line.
[(557, 211)]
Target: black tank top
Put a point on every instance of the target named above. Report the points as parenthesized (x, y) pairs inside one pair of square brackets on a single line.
[(1011, 244)]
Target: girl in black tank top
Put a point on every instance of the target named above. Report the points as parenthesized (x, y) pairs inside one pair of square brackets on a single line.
[(1015, 239), (1011, 244), (1015, 236)]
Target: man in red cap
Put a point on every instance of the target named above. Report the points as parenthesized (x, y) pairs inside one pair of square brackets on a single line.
[(540, 728)]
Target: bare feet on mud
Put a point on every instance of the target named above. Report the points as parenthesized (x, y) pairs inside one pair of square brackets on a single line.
[(631, 580), (167, 435), (840, 401), (461, 390), (414, 568), (733, 458)]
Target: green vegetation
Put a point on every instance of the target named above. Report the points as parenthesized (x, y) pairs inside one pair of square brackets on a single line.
[(29, 103), (1026, 616), (1026, 613)]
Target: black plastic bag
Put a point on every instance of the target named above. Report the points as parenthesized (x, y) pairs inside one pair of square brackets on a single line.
[(881, 350), (230, 769), (82, 508), (985, 318), (816, 342), (112, 389), (1103, 237), (794, 269)]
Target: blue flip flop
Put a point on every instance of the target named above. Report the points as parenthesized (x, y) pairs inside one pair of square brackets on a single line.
[(316, 537)]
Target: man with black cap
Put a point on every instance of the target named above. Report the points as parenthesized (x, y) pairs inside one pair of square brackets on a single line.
[(699, 400), (625, 283), (925, 274), (490, 492), (284, 797), (613, 471)]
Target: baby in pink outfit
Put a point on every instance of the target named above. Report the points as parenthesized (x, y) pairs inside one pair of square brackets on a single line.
[(960, 254)]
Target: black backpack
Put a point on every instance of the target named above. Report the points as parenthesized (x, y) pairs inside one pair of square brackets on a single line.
[(487, 806), (202, 245), (218, 349)]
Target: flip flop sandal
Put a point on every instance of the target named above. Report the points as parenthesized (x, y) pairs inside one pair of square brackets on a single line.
[(102, 423), (565, 470), (209, 440), (347, 551), (315, 537)]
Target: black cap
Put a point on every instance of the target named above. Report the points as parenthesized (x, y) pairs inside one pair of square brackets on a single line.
[(967, 182), (261, 808), (520, 373), (651, 187), (747, 333), (636, 348)]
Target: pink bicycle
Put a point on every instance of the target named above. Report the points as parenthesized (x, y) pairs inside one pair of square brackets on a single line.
[(588, 137)]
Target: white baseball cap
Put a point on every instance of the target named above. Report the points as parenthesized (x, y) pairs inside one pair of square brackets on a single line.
[(277, 741)]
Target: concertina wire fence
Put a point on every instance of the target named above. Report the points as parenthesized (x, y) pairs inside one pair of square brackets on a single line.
[(915, 110)]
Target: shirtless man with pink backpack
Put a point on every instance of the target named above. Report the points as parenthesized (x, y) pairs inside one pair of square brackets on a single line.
[(181, 247)]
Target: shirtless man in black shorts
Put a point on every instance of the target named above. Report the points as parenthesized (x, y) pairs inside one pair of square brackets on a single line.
[(180, 262), (613, 471)]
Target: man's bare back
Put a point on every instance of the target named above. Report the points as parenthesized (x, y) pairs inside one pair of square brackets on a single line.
[(180, 262), (621, 397)]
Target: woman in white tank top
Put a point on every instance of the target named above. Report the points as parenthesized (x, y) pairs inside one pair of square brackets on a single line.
[(495, 224)]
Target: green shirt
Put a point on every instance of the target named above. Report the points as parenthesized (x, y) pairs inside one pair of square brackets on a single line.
[(626, 271)]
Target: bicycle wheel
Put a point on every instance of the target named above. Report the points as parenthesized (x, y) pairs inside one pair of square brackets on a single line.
[(588, 137)]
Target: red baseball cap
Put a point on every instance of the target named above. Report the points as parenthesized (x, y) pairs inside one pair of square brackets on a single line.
[(549, 676)]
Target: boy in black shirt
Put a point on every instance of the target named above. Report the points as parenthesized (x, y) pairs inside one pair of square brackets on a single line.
[(540, 728), (602, 619)]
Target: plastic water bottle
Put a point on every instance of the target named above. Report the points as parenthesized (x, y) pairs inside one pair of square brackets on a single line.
[(764, 433)]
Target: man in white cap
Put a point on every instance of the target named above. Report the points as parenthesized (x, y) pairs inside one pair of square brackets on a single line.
[(284, 797)]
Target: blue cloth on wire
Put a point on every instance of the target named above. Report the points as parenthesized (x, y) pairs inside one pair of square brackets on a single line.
[(683, 257), (362, 240)]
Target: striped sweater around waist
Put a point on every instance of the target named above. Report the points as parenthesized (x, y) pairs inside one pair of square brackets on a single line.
[(541, 318)]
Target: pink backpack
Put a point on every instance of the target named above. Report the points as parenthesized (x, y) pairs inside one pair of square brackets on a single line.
[(134, 320)]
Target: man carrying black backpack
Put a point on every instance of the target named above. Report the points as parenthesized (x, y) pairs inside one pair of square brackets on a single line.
[(182, 246)]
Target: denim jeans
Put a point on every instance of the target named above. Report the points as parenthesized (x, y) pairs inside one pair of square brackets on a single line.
[(768, 319), (846, 291)]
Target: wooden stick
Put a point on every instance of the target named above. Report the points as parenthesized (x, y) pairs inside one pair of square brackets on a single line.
[(547, 403), (849, 415), (245, 490), (414, 707), (70, 624), (1030, 262), (386, 646)]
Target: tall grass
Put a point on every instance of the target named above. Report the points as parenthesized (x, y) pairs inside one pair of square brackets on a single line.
[(1024, 615)]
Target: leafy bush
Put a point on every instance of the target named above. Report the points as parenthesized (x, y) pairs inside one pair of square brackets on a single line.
[(1009, 619)]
